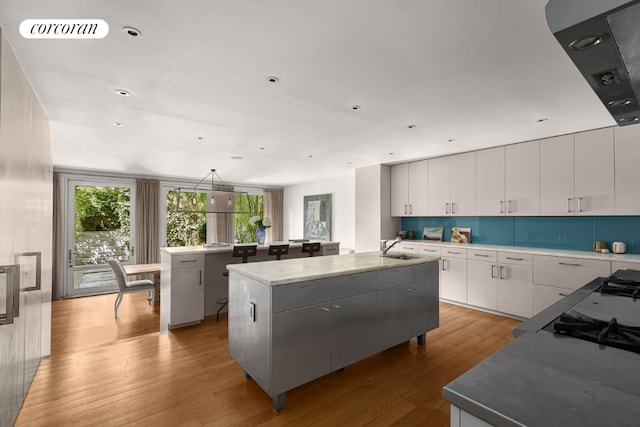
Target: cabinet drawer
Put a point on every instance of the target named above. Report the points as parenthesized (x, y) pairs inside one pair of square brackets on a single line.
[(352, 284), (431, 250), (187, 261), (392, 277), (545, 296), (482, 255), (330, 249), (565, 272), (514, 258), (454, 253), (624, 265), (302, 294), (408, 248)]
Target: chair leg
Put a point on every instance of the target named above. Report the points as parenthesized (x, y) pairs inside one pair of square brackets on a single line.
[(117, 304), (152, 299)]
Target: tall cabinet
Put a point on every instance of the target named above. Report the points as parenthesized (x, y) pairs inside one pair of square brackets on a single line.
[(25, 232), (409, 189)]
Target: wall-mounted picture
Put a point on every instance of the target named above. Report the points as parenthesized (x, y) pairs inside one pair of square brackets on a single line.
[(432, 233), (461, 235), (317, 217)]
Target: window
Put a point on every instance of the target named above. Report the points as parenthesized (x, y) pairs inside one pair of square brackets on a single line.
[(245, 232)]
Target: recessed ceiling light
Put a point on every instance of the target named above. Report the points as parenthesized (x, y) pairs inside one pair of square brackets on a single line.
[(391, 154), (237, 157), (619, 102), (262, 148), (544, 119), (310, 156), (355, 107), (200, 138), (122, 92), (628, 119), (119, 124), (348, 163), (451, 140), (133, 32), (411, 126), (273, 79)]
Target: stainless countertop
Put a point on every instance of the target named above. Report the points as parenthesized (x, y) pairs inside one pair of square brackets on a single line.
[(541, 379)]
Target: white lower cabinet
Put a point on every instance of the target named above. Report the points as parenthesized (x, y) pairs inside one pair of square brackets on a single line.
[(482, 279), (621, 265), (545, 296), (453, 274), (187, 289)]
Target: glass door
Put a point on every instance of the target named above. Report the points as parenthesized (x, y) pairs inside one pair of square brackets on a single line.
[(99, 225)]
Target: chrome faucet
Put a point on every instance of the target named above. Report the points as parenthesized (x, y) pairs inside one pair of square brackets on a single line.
[(383, 245)]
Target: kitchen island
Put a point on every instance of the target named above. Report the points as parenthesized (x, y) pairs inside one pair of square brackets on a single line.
[(296, 320), (194, 278)]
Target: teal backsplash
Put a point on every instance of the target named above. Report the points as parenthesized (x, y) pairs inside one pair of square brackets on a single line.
[(577, 232)]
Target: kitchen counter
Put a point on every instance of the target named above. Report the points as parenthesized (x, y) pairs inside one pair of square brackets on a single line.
[(191, 250), (275, 273), (536, 251), (541, 379)]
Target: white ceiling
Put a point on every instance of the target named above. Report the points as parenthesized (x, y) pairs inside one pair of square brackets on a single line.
[(479, 72)]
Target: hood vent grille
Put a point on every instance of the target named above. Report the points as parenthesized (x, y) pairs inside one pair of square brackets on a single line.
[(603, 41)]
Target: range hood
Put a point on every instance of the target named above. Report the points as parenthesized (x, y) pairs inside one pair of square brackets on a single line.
[(603, 39)]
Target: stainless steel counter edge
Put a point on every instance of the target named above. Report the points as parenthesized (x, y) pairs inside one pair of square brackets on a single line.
[(570, 253), (276, 273)]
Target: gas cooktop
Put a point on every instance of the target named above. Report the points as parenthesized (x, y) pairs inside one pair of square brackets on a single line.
[(609, 316)]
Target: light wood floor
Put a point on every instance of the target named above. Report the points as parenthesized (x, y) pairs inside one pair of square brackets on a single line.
[(104, 371)]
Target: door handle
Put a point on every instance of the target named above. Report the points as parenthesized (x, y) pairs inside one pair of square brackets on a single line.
[(38, 285), (493, 275), (509, 210), (501, 206), (569, 205), (443, 265), (579, 204), (453, 208), (12, 295), (446, 208), (501, 272)]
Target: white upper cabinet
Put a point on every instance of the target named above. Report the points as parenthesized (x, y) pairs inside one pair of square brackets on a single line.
[(452, 185), (522, 191), (594, 174), (627, 170), (409, 187), (556, 175), (490, 185), (508, 180), (577, 174)]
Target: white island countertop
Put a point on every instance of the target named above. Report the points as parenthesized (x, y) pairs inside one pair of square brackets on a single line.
[(275, 273), (224, 247)]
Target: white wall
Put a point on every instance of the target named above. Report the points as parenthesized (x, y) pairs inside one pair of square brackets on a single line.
[(343, 217)]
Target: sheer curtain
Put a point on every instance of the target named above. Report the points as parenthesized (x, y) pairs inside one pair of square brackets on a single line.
[(223, 226), (57, 290), (147, 221), (274, 209)]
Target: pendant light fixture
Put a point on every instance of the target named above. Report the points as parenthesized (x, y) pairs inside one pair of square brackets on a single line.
[(220, 200)]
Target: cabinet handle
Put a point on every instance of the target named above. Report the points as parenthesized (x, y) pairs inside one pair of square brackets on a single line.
[(200, 277), (579, 204), (569, 205), (188, 260), (410, 209), (453, 208), (428, 250), (446, 209), (454, 253), (562, 295), (569, 264), (38, 283), (12, 297), (444, 265), (324, 309), (405, 209), (515, 259), (501, 272), (482, 255), (493, 275), (337, 307), (501, 206), (509, 210)]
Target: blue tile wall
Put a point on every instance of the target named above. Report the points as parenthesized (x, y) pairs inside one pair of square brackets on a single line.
[(576, 232)]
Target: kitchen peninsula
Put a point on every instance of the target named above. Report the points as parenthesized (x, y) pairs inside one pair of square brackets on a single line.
[(296, 320), (193, 278)]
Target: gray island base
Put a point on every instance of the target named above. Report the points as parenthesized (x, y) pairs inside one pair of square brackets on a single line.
[(293, 321)]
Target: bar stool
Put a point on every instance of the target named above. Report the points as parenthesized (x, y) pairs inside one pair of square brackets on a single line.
[(278, 251), (244, 252), (311, 248)]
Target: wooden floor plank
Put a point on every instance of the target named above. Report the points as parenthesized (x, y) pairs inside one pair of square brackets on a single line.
[(105, 371)]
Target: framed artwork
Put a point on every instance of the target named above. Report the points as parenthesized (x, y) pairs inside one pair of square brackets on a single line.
[(317, 217), (432, 233), (460, 235)]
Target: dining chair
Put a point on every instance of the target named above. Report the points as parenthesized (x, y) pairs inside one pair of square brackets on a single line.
[(311, 248), (278, 250), (132, 286)]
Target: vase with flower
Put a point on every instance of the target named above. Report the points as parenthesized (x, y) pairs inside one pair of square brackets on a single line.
[(261, 227)]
